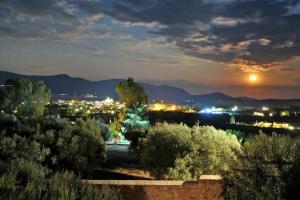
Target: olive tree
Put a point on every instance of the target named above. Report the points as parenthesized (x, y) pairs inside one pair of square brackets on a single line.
[(131, 93), (24, 97), (262, 168), (175, 151)]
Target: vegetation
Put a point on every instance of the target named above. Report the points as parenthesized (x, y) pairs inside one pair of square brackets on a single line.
[(27, 180), (263, 169), (131, 93), (35, 153), (57, 144), (178, 152), (131, 121), (43, 158), (24, 97)]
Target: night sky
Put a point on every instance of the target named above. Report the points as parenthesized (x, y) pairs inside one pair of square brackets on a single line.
[(200, 45)]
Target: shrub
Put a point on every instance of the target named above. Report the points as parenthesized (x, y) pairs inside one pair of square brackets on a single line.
[(23, 180), (69, 187), (24, 97), (58, 145), (78, 148), (174, 151), (13, 146), (261, 172), (28, 181)]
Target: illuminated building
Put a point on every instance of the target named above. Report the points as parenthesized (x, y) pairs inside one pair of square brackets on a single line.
[(274, 125), (285, 113), (264, 108), (259, 114)]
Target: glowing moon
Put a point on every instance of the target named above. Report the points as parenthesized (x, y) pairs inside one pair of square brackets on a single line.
[(253, 78)]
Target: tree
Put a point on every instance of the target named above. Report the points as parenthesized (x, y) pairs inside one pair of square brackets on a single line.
[(163, 144), (262, 168), (135, 126), (79, 148), (24, 97), (173, 151), (293, 180), (28, 180), (23, 179), (232, 119), (134, 97), (131, 93), (135, 120), (212, 151), (56, 144)]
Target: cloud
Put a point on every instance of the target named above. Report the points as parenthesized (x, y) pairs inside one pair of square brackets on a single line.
[(255, 34), (244, 34)]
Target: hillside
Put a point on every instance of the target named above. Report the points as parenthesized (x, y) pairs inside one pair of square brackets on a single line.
[(79, 87)]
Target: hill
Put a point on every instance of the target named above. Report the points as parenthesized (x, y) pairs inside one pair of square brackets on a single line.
[(79, 87)]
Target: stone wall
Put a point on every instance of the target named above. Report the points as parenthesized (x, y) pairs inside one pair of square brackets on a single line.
[(206, 188)]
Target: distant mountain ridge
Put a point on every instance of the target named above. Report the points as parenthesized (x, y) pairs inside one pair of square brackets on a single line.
[(65, 84)]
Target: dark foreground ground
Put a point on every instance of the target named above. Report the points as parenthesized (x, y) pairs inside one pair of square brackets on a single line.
[(121, 165)]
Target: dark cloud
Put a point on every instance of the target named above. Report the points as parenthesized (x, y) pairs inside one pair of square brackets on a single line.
[(248, 34), (254, 33), (43, 19)]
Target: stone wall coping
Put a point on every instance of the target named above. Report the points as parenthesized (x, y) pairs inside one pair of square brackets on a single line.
[(153, 182)]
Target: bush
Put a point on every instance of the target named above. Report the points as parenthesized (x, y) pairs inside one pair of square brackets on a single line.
[(293, 180), (174, 151), (24, 97), (28, 181), (13, 146), (79, 148), (58, 145), (164, 143), (212, 151), (67, 186), (23, 180), (261, 172)]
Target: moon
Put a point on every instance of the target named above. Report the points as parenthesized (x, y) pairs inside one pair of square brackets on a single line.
[(253, 78)]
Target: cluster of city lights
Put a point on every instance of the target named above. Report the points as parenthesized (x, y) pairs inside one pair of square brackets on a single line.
[(274, 125), (156, 107), (89, 107), (219, 111)]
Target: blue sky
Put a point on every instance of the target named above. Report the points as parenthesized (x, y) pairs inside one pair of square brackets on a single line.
[(200, 45)]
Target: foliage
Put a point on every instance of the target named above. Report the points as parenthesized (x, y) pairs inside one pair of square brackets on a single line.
[(164, 143), (14, 146), (56, 144), (67, 186), (27, 180), (104, 130), (135, 126), (240, 136), (79, 148), (293, 180), (116, 126), (23, 180), (131, 93), (212, 151), (174, 151), (24, 97), (31, 150), (135, 120), (262, 169), (232, 119)]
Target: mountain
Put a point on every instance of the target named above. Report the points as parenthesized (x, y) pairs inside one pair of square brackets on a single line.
[(79, 87), (215, 99), (65, 84)]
